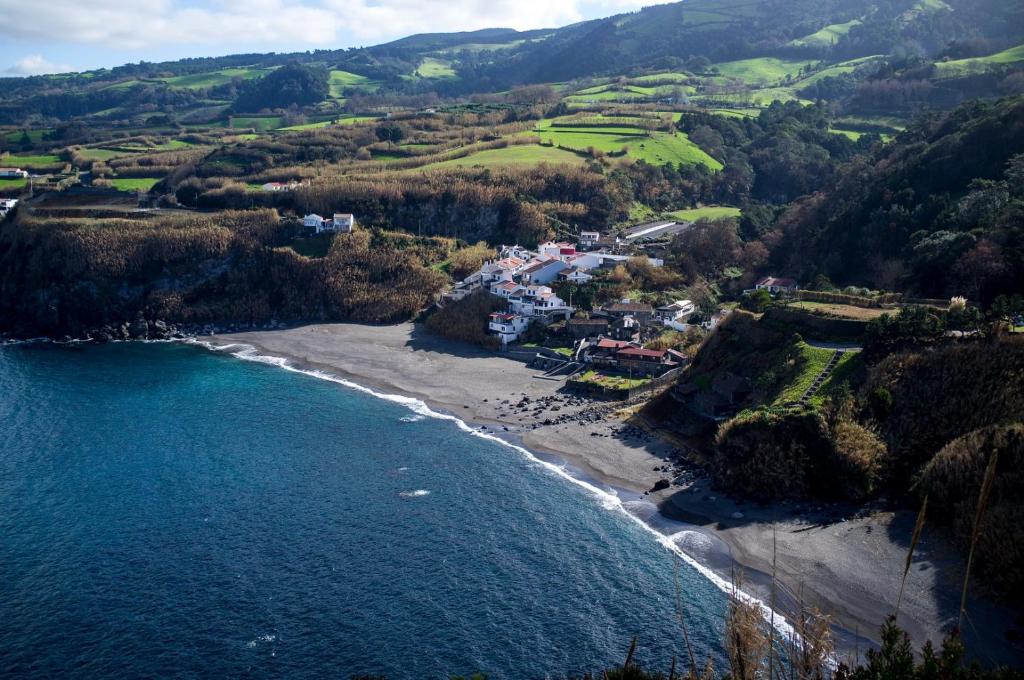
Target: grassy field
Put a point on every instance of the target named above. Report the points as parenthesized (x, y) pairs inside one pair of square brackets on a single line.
[(261, 123), (612, 381), (12, 182), (346, 119), (710, 212), (102, 154), (965, 67), (528, 154), (339, 81), (762, 70), (27, 161), (841, 311), (431, 67), (199, 81), (827, 36), (659, 148), (812, 362), (133, 183), (33, 135)]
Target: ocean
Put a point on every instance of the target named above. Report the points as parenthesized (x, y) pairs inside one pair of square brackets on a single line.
[(168, 511)]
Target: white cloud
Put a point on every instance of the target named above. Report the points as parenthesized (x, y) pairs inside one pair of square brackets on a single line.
[(36, 65), (278, 24)]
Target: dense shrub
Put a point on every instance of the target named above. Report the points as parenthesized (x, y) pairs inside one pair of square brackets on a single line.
[(952, 481), (466, 319)]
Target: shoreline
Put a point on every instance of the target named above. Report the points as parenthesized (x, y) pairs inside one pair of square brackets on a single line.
[(844, 561), (841, 560)]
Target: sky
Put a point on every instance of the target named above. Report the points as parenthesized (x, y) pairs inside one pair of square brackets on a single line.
[(55, 36)]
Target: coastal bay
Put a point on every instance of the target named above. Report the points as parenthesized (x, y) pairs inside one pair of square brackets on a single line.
[(844, 561)]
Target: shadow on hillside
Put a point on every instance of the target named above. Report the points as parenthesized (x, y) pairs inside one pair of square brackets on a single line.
[(420, 339)]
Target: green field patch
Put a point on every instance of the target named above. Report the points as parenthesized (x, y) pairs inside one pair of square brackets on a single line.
[(35, 136), (29, 161), (339, 81), (762, 70), (200, 81), (12, 182), (133, 183), (966, 67), (523, 154), (261, 123), (827, 36), (610, 380), (710, 212), (661, 78), (656, 148), (432, 67), (347, 119), (811, 361)]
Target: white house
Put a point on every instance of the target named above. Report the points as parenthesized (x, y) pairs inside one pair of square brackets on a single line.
[(344, 222), (675, 311), (507, 289), (589, 239), (574, 275), (313, 221), (559, 250), (776, 285), (542, 271), (13, 172), (508, 327), (539, 301)]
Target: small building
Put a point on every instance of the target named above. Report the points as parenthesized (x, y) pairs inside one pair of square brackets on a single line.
[(542, 271), (343, 222), (13, 172), (602, 352), (640, 311), (643, 360), (313, 221), (274, 186), (507, 289), (507, 326), (574, 275), (559, 250), (625, 328), (580, 327), (675, 311), (589, 239), (777, 286), (650, 231)]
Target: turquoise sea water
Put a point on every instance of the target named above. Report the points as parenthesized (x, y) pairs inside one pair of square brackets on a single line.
[(169, 511)]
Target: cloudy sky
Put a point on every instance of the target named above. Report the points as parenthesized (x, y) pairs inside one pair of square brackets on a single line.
[(48, 36)]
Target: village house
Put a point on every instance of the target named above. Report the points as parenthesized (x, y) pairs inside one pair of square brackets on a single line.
[(342, 222), (277, 186), (556, 250), (507, 326), (580, 327), (602, 352), (648, 361), (589, 239), (675, 311), (13, 172), (574, 275), (625, 328), (542, 271), (507, 289), (777, 286), (640, 311), (540, 302), (313, 221)]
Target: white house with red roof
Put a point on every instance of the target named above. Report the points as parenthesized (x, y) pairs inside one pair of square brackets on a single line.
[(776, 285)]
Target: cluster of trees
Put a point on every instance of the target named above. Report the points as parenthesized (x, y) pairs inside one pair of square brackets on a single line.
[(939, 212), (291, 85), (71, 276)]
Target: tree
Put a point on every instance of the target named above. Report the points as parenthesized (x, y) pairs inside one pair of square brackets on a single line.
[(757, 301), (392, 133)]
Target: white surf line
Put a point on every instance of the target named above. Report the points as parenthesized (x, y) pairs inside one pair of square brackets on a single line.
[(608, 501)]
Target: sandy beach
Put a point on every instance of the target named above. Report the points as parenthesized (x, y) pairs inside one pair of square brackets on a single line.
[(845, 561)]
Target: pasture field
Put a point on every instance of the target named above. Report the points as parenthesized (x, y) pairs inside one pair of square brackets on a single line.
[(339, 81), (659, 148), (34, 135), (30, 161), (102, 154), (827, 36), (762, 70), (134, 183), (708, 212), (12, 182), (841, 311), (344, 119), (966, 67), (260, 123), (523, 154), (432, 67), (199, 81)]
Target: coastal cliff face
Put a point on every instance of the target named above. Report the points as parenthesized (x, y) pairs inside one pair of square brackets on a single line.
[(139, 277)]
